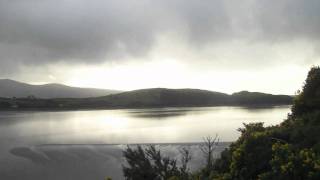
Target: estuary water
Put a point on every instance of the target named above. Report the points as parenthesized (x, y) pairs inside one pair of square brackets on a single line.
[(89, 144)]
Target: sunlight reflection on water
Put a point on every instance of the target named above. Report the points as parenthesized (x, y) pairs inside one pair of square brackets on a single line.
[(157, 125)]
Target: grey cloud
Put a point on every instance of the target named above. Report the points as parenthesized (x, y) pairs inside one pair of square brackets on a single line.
[(38, 32), (289, 19), (51, 30)]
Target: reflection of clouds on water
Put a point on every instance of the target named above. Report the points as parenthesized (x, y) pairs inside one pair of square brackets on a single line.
[(85, 161)]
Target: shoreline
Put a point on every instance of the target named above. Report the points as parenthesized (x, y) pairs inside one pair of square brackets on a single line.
[(252, 106)]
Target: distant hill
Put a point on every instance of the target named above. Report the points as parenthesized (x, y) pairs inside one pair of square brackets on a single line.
[(10, 88), (156, 97), (167, 97), (256, 98), (190, 97)]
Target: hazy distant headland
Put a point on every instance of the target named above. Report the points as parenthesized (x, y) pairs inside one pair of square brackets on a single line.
[(10, 88), (17, 95)]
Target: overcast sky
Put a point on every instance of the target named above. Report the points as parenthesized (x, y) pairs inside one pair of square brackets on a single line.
[(220, 45)]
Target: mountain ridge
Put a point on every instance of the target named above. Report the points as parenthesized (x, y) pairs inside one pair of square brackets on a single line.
[(141, 98), (11, 88), (191, 97)]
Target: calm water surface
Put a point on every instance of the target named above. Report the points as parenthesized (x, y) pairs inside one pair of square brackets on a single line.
[(60, 145), (160, 125)]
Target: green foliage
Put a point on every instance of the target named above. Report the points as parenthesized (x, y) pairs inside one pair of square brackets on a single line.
[(149, 163), (304, 132), (288, 163), (245, 164), (309, 99), (221, 164)]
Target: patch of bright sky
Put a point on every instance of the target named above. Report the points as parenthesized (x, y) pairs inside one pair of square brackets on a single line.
[(172, 74), (278, 68)]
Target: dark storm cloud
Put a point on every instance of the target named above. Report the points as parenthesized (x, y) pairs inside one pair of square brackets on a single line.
[(38, 32)]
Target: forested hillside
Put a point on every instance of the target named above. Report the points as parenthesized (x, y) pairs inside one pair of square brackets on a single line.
[(157, 97)]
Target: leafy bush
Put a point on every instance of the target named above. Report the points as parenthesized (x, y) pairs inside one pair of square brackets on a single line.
[(149, 163), (288, 163)]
